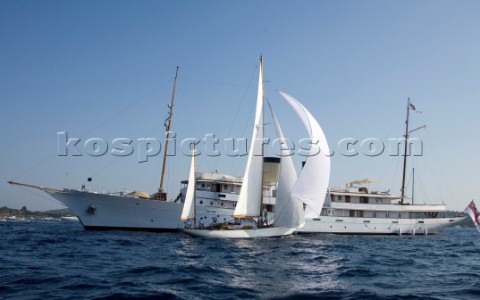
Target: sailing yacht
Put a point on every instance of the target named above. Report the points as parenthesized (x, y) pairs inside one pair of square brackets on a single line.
[(247, 214), (122, 210)]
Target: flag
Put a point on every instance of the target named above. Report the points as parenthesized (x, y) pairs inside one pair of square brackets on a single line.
[(412, 107), (472, 211)]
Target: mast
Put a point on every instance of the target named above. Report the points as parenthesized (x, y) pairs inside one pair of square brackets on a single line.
[(413, 184), (263, 135), (194, 187), (405, 152), (163, 196)]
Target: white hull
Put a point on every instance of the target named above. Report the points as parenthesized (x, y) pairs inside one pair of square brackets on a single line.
[(118, 212), (348, 225), (241, 233), (129, 213)]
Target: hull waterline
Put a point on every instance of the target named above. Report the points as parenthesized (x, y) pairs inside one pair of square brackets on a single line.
[(241, 234)]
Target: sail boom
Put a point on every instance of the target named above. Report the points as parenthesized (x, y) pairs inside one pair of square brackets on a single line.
[(245, 217)]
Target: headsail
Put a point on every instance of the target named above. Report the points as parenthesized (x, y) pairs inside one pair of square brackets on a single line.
[(288, 211), (188, 211), (311, 186), (249, 200)]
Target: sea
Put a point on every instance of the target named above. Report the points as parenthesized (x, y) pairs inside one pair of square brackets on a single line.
[(61, 260)]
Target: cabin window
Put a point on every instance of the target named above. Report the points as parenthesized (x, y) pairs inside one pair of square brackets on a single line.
[(347, 199), (364, 200), (211, 202), (225, 187), (201, 201), (339, 198), (352, 213)]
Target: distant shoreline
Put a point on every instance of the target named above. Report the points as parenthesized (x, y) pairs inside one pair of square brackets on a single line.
[(6, 212)]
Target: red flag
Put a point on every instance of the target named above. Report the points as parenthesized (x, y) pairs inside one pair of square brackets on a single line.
[(412, 107), (472, 211)]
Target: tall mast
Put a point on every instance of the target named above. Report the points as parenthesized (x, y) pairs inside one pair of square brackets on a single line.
[(405, 152), (169, 124), (195, 188), (263, 134)]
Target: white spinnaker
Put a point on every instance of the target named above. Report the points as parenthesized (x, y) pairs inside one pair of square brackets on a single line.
[(288, 210), (249, 199), (312, 184), (188, 211)]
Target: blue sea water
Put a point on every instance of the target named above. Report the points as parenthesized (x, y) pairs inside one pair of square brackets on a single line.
[(60, 260)]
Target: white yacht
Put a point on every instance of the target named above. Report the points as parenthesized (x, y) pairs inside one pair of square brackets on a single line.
[(354, 209)]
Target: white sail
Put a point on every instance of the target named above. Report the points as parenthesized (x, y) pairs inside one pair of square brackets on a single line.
[(288, 211), (188, 211), (249, 200), (311, 186)]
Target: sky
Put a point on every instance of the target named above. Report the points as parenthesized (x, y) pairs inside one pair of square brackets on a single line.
[(105, 69)]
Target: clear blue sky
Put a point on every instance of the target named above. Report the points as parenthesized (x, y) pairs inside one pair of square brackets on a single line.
[(105, 69)]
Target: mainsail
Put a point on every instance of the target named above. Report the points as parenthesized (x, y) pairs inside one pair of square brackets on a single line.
[(249, 199), (311, 186), (288, 211)]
